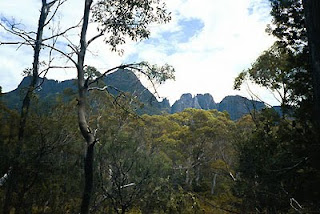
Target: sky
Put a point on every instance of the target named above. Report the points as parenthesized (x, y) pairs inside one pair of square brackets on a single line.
[(208, 42)]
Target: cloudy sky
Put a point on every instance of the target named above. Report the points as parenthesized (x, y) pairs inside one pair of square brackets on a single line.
[(208, 42)]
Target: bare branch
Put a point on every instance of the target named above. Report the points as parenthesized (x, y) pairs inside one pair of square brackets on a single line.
[(55, 11), (64, 32), (95, 37), (257, 97), (294, 202), (112, 69), (28, 39), (62, 53), (15, 43)]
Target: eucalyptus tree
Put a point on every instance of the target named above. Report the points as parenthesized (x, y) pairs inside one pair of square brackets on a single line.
[(276, 71), (296, 25), (287, 148), (35, 40), (117, 21), (312, 16)]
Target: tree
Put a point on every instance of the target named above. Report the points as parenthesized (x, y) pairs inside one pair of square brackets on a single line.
[(284, 147), (279, 70), (117, 19), (198, 145), (26, 38), (312, 16)]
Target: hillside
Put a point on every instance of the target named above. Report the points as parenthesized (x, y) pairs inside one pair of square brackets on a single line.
[(127, 81)]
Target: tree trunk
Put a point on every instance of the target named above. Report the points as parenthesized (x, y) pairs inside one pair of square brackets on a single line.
[(214, 179), (312, 13), (26, 102), (83, 124), (197, 175), (88, 173)]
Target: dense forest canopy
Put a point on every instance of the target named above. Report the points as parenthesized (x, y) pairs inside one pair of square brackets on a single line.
[(88, 149)]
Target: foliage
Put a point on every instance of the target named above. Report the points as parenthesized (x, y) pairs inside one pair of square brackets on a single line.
[(168, 159), (279, 70), (288, 24), (121, 19), (277, 156), (194, 161)]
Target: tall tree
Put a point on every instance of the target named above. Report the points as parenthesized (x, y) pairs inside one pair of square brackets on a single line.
[(37, 44), (312, 15), (117, 19)]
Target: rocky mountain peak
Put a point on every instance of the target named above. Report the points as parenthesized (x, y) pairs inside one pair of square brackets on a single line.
[(126, 81), (206, 101)]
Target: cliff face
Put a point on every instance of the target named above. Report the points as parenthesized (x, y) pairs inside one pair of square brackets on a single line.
[(200, 101), (120, 80), (126, 81), (206, 101), (185, 101), (236, 106)]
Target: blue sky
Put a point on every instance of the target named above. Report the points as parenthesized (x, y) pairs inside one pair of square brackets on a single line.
[(208, 42)]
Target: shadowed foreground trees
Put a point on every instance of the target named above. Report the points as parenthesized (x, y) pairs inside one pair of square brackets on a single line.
[(35, 40), (279, 159), (312, 17)]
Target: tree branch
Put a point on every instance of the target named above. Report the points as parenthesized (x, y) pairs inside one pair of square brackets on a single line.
[(62, 53)]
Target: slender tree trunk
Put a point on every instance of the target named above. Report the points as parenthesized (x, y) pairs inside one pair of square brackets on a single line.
[(26, 103), (214, 179), (83, 124), (88, 170), (198, 175), (312, 13)]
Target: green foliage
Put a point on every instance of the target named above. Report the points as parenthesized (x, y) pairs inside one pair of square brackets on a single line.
[(156, 73), (274, 164), (279, 70), (91, 73), (121, 19), (288, 24), (277, 156), (48, 162)]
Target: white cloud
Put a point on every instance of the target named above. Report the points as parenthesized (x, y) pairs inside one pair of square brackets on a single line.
[(229, 42), (231, 38)]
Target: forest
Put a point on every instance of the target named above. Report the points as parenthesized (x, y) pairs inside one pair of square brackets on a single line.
[(89, 149)]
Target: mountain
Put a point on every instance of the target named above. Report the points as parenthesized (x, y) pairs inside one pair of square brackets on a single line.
[(120, 80), (185, 101), (206, 101), (236, 106), (200, 101), (127, 81), (48, 90)]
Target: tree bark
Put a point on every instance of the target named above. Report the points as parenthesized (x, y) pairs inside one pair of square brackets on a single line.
[(83, 124), (312, 13), (26, 101), (213, 183)]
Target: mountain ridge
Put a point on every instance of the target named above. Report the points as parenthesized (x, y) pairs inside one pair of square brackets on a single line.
[(127, 81)]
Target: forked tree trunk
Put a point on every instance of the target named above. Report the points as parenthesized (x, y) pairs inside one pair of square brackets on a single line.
[(83, 124)]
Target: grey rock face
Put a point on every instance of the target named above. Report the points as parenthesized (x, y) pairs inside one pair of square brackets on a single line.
[(238, 106), (185, 101), (206, 101)]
